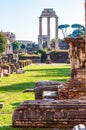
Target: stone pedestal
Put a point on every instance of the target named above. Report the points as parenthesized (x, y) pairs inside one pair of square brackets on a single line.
[(75, 87)]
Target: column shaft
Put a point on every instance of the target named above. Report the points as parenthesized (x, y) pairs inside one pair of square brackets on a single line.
[(56, 33), (48, 32), (40, 32)]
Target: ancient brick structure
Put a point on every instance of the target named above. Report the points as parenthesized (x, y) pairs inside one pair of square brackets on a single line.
[(59, 57), (50, 114), (75, 87)]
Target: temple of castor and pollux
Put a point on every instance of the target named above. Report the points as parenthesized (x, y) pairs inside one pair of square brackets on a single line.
[(56, 104), (48, 13)]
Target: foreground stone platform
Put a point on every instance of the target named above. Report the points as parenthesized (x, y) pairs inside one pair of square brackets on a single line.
[(50, 113)]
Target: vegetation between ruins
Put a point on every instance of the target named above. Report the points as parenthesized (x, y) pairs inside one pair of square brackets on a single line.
[(11, 88)]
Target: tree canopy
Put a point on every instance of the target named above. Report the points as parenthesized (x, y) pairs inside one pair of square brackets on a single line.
[(77, 26), (78, 30), (16, 45), (22, 46), (3, 41), (63, 28)]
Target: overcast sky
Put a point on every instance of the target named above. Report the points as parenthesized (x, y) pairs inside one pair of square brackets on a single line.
[(21, 16)]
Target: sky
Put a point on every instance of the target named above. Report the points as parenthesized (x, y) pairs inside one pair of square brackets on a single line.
[(22, 16)]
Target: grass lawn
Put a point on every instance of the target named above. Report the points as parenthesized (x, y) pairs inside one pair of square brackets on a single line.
[(12, 87)]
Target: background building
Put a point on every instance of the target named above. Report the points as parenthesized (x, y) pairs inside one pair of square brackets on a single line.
[(25, 42), (10, 36)]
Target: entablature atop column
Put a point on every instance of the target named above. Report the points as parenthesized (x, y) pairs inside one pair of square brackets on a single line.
[(48, 12)]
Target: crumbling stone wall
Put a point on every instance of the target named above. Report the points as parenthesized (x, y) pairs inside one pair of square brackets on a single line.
[(59, 57)]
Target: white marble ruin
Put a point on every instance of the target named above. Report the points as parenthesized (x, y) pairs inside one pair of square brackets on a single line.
[(48, 13)]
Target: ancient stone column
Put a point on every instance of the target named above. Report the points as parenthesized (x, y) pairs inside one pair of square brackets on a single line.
[(48, 32), (56, 33), (40, 32)]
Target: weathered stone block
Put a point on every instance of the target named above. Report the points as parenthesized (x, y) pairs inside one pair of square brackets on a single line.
[(50, 113), (45, 85)]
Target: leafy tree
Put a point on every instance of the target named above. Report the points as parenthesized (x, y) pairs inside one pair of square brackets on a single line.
[(77, 33), (41, 51), (66, 27), (77, 26), (16, 45), (63, 28), (29, 47), (33, 44), (78, 30), (3, 41), (22, 46)]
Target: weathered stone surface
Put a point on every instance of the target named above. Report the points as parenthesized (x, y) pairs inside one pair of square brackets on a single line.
[(77, 52), (46, 82), (45, 85), (75, 87), (50, 113)]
